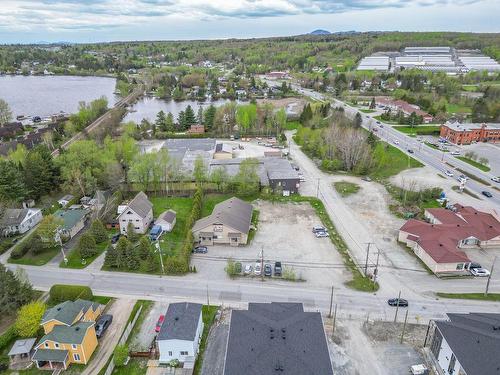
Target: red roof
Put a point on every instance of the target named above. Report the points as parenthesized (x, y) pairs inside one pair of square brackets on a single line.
[(403, 106), (441, 241)]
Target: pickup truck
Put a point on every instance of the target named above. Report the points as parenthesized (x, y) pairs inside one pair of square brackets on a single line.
[(155, 232)]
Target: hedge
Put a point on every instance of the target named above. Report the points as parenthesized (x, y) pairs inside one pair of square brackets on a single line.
[(7, 337), (60, 293)]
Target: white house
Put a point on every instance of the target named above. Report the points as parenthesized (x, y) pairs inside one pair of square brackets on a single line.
[(17, 220), (167, 220), (139, 212), (64, 201), (180, 333), (467, 344)]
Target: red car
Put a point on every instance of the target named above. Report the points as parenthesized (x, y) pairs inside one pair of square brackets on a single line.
[(159, 323)]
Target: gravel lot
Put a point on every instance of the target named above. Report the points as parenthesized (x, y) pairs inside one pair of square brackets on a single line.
[(146, 335), (284, 232)]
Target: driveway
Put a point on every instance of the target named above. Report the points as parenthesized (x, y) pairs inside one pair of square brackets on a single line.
[(120, 309), (215, 352)]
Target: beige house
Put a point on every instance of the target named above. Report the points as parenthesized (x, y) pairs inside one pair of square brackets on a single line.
[(440, 240), (139, 212), (228, 224), (223, 151)]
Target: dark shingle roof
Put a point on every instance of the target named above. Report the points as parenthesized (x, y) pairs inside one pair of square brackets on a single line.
[(13, 216), (475, 340), (168, 216), (232, 212), (54, 355), (68, 335), (66, 312), (140, 204), (181, 321), (271, 338)]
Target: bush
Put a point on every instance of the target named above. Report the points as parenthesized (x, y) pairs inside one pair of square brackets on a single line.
[(7, 338), (87, 245), (120, 355), (60, 293), (231, 268), (98, 231), (35, 245), (28, 319), (20, 251)]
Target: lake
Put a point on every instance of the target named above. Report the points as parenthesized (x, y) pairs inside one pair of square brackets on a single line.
[(149, 107), (46, 95)]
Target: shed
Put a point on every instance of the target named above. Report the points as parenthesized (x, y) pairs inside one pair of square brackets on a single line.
[(21, 349), (167, 220)]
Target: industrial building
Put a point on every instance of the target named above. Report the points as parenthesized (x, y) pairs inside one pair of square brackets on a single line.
[(379, 63), (464, 134)]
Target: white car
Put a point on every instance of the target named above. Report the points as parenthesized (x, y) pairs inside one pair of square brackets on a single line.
[(481, 272), (257, 270), (495, 179), (448, 173), (455, 153), (248, 269), (396, 142), (322, 234)]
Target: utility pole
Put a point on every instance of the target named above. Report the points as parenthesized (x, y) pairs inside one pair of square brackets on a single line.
[(317, 189), (262, 263), (331, 304), (427, 333), (157, 244), (397, 308), (489, 276), (404, 327), (208, 299), (59, 239), (375, 272), (367, 254), (334, 320)]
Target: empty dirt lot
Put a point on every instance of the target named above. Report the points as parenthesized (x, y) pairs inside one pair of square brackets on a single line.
[(285, 234)]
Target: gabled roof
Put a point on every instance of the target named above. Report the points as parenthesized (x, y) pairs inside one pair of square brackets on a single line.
[(475, 340), (140, 205), (13, 216), (67, 311), (181, 321), (223, 147), (232, 212), (68, 335), (54, 355), (70, 217), (168, 216), (22, 346), (271, 338)]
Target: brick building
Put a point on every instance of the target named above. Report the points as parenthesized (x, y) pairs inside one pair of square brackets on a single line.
[(464, 134)]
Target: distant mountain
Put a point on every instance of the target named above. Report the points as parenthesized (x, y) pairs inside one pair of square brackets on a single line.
[(320, 32)]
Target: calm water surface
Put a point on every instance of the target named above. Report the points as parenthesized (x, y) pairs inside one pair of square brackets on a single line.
[(47, 95)]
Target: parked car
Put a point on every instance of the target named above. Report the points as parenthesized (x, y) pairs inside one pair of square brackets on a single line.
[(419, 370), (381, 125), (319, 228), (237, 267), (474, 265), (115, 238), (277, 269), (395, 302), (248, 269), (268, 270), (410, 151), (487, 194), (396, 142), (378, 122), (200, 250), (322, 234), (481, 272), (102, 324), (448, 173), (366, 178), (495, 179), (455, 153), (155, 232), (159, 323), (257, 269)]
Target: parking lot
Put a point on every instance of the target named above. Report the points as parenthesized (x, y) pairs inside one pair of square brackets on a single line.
[(146, 334), (284, 234)]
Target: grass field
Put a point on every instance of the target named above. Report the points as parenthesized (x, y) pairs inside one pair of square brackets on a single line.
[(470, 88), (75, 260), (367, 110), (345, 188), (41, 259), (475, 296), (419, 129), (457, 108), (379, 117), (398, 161), (474, 163)]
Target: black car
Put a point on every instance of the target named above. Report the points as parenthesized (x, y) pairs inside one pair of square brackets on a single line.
[(394, 302), (268, 270), (474, 265), (277, 269), (115, 238), (410, 151), (487, 194), (102, 324), (200, 250)]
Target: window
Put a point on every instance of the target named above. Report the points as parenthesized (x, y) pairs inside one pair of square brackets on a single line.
[(73, 346), (137, 228), (169, 353), (76, 357), (451, 366), (184, 353), (56, 345), (460, 266), (46, 344)]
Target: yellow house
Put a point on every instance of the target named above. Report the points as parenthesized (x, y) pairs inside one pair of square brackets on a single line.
[(69, 334)]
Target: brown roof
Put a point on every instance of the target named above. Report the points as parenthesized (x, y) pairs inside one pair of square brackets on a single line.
[(140, 204), (168, 216), (403, 106), (232, 212)]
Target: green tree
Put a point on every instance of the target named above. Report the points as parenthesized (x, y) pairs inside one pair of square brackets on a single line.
[(152, 262), (219, 177), (5, 112), (98, 231), (306, 114), (144, 247), (120, 355), (169, 123), (209, 117), (480, 111), (358, 120), (12, 187), (372, 104), (131, 233), (122, 249), (15, 291), (111, 257), (161, 121), (47, 230), (28, 319), (133, 258), (200, 170), (189, 117), (247, 180), (41, 174), (87, 245)]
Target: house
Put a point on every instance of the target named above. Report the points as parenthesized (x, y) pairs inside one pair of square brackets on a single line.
[(441, 240), (139, 212), (229, 223), (167, 220), (196, 129), (69, 334), (403, 106), (11, 130), (20, 353), (19, 220), (180, 334), (223, 151), (64, 201), (276, 338), (282, 176), (465, 134), (467, 344), (73, 221)]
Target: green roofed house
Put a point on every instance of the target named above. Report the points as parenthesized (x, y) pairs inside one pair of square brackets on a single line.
[(73, 221), (69, 334)]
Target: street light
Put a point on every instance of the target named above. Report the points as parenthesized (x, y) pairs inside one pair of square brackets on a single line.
[(59, 239), (157, 245)]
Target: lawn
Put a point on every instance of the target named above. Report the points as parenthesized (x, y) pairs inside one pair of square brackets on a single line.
[(474, 163), (379, 118), (435, 147), (75, 260), (475, 296), (458, 108), (367, 110), (292, 125), (397, 161), (208, 313), (171, 242), (40, 259), (470, 88), (345, 188), (419, 129)]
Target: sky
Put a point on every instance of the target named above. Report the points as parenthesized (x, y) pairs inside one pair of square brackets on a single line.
[(28, 21)]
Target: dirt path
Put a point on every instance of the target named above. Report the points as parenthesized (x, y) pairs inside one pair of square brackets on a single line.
[(120, 309)]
